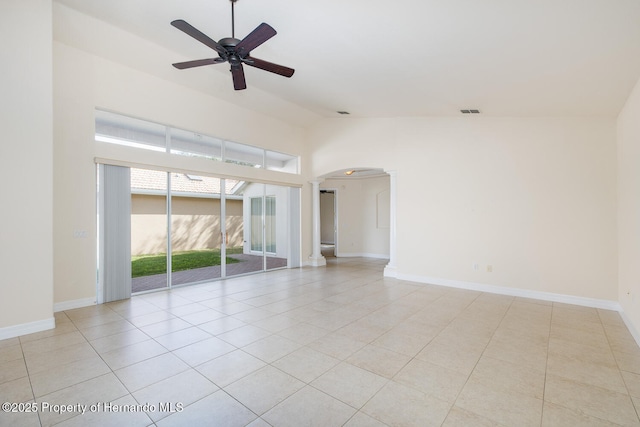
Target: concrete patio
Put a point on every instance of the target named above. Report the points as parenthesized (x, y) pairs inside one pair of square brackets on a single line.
[(247, 264)]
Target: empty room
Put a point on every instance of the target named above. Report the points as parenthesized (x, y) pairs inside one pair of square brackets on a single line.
[(320, 213)]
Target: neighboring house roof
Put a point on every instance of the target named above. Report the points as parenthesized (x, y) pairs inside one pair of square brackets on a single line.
[(144, 180)]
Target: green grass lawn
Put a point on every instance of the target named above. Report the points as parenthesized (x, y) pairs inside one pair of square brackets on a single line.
[(147, 265)]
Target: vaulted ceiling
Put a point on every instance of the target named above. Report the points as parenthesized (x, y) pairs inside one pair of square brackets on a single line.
[(376, 58)]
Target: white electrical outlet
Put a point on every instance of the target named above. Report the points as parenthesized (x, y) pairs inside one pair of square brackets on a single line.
[(489, 268), (476, 266), (79, 234)]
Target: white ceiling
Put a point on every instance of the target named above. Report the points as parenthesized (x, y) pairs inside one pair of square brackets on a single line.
[(378, 58)]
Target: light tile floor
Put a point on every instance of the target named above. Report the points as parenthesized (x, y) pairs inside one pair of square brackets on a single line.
[(326, 347)]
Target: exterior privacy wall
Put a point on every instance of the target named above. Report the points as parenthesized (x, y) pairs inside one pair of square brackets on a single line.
[(195, 224)]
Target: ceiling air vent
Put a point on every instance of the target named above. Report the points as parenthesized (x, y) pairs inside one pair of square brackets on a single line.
[(470, 111)]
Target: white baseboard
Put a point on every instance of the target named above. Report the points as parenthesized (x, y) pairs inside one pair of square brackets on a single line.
[(632, 329), (27, 328), (524, 293), (70, 305), (317, 262), (361, 255), (544, 296), (390, 271)]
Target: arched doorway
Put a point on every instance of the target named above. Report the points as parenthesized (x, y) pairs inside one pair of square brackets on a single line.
[(357, 214)]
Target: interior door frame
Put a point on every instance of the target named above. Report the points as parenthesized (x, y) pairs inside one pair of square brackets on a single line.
[(334, 191)]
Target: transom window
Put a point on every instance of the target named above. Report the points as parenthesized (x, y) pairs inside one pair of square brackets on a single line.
[(122, 130)]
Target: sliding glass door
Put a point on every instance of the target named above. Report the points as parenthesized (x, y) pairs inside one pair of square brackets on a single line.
[(246, 252), (266, 228), (187, 228), (277, 226), (195, 227), (263, 224), (149, 244)]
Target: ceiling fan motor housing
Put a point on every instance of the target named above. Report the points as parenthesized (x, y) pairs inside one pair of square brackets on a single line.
[(229, 42)]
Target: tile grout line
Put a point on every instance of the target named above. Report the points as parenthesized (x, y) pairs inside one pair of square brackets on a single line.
[(480, 357), (546, 363), (26, 366), (620, 370)]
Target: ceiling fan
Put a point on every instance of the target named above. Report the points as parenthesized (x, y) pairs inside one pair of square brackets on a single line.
[(233, 50)]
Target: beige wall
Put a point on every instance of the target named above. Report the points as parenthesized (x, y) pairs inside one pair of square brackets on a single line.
[(629, 208), (533, 198), (26, 167), (195, 223)]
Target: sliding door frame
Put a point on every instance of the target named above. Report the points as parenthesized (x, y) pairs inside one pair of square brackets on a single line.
[(293, 231)]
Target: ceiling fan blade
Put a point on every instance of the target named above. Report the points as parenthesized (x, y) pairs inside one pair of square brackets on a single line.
[(239, 82), (197, 63), (269, 66), (190, 30), (261, 34)]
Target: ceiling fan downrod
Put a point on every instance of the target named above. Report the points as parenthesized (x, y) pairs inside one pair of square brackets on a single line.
[(233, 19)]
